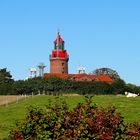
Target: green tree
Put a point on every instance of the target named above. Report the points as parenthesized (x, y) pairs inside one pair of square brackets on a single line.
[(118, 86), (132, 88), (5, 76), (6, 82)]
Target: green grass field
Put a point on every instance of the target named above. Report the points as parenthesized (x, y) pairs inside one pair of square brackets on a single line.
[(128, 107)]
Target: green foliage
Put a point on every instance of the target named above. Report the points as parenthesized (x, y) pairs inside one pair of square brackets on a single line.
[(55, 86), (133, 131), (5, 76), (93, 87), (6, 82), (85, 121), (118, 86), (132, 88)]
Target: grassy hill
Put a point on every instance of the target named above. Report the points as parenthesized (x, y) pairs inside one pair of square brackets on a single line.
[(128, 107)]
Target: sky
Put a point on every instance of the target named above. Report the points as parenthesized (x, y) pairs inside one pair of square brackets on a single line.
[(97, 34)]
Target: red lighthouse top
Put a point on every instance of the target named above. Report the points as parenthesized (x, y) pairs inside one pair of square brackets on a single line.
[(58, 39), (59, 49)]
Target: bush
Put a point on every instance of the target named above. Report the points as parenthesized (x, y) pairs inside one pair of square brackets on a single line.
[(85, 121), (133, 131)]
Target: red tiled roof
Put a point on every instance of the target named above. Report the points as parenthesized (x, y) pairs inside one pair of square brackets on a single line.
[(104, 78), (82, 77)]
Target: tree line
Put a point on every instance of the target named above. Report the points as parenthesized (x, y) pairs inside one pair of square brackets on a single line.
[(57, 86)]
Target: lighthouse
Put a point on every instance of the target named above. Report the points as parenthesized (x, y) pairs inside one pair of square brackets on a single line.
[(59, 57), (59, 65)]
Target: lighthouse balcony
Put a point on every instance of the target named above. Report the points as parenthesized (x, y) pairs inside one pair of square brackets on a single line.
[(58, 57)]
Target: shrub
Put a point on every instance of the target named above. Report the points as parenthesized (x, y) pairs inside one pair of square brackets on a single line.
[(133, 131), (85, 121)]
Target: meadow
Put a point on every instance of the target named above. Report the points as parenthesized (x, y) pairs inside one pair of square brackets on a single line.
[(16, 111)]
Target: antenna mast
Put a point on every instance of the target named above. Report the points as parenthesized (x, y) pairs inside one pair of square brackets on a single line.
[(58, 43)]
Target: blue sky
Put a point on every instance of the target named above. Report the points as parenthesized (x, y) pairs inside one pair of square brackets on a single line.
[(97, 33)]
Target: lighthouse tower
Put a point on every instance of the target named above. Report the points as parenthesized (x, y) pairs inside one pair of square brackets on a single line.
[(59, 57)]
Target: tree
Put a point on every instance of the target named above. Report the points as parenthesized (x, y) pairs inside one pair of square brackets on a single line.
[(6, 82), (132, 88), (107, 71), (5, 76), (118, 86)]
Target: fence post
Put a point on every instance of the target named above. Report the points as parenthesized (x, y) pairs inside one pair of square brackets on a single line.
[(6, 102)]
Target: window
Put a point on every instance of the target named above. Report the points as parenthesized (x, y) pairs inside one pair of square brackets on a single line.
[(63, 64)]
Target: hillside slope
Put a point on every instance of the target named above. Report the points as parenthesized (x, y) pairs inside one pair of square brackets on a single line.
[(128, 107)]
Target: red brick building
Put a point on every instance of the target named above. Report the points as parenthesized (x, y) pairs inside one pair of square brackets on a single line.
[(82, 77), (59, 65)]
